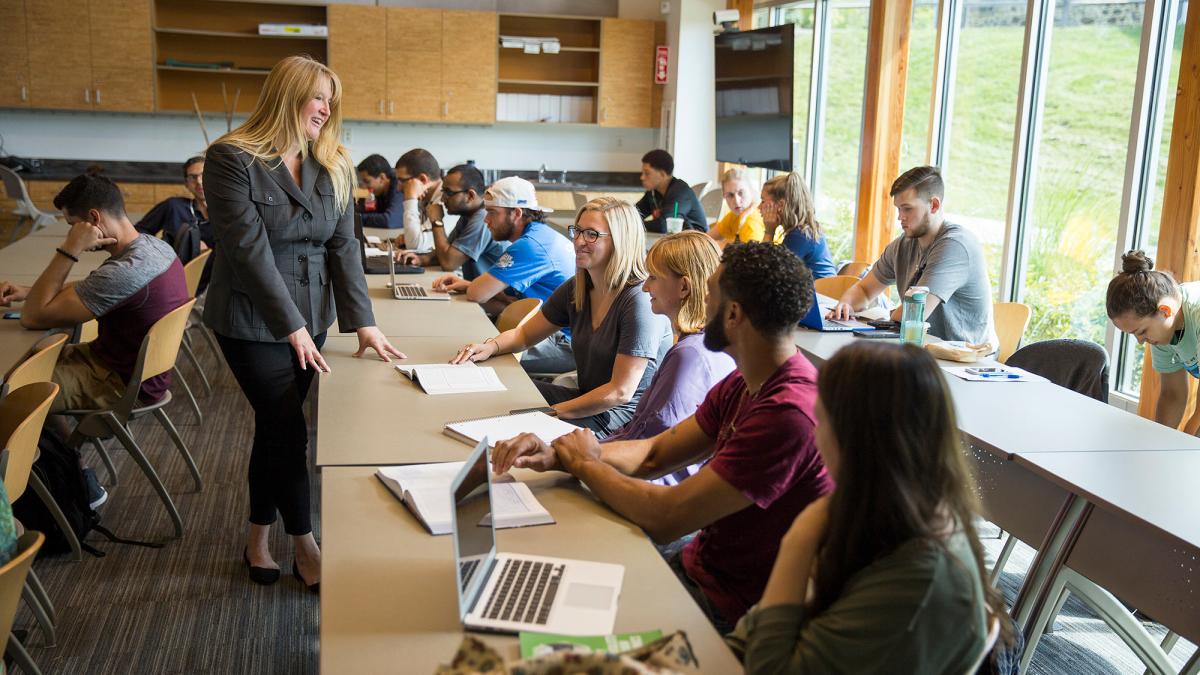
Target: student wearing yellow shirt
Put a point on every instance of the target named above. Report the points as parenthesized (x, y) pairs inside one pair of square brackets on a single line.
[(742, 222)]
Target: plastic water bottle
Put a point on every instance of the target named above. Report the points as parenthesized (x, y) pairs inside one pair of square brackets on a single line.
[(912, 321)]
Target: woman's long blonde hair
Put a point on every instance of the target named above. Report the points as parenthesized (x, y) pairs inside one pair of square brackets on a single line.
[(694, 256), (275, 126), (628, 262), (795, 204)]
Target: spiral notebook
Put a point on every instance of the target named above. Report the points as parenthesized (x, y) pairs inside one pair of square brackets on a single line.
[(504, 427)]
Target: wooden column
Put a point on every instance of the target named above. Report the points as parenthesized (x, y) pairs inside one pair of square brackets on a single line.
[(1178, 249), (883, 123)]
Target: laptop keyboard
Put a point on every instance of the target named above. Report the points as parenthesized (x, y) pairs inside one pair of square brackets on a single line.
[(409, 291), (525, 591)]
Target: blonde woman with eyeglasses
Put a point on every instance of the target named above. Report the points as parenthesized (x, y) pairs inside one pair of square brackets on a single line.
[(279, 198), (616, 339)]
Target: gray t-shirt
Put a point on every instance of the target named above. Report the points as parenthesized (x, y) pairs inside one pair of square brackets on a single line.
[(119, 277), (954, 270), (628, 328), (472, 236)]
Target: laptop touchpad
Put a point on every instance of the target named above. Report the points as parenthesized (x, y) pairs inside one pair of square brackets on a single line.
[(589, 596)]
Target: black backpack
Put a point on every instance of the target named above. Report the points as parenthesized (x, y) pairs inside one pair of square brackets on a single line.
[(58, 469)]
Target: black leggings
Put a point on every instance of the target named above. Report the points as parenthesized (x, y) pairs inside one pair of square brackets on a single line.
[(270, 376)]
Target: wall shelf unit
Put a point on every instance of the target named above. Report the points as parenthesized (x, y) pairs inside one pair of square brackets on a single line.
[(557, 87)]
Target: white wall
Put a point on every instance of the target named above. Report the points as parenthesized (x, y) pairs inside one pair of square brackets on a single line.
[(690, 86), (170, 138)]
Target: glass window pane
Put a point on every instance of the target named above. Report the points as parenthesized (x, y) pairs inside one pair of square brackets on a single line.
[(1131, 382), (979, 159), (761, 18), (1080, 169), (837, 172), (918, 88), (800, 14)]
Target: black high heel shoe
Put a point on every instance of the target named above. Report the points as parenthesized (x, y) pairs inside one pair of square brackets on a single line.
[(264, 576), (312, 588)]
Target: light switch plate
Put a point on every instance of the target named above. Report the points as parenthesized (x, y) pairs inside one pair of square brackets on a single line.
[(664, 7)]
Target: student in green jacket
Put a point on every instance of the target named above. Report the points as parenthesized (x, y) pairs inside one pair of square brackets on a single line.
[(885, 574)]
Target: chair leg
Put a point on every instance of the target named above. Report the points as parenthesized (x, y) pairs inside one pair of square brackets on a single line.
[(1058, 606), (188, 391), (1002, 559), (161, 416), (35, 584), (20, 657), (40, 615), (1192, 667), (1168, 643), (138, 456), (113, 481), (39, 488), (191, 356), (208, 337)]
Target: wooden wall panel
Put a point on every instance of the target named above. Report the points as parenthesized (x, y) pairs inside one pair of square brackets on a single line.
[(469, 66), (626, 73), (358, 54), (414, 56), (14, 56), (122, 69)]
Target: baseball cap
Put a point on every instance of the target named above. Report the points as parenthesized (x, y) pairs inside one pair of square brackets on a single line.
[(513, 192)]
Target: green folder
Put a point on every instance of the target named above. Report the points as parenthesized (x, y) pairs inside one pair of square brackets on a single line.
[(540, 644)]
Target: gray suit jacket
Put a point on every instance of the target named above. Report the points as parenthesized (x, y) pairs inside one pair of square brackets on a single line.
[(283, 252)]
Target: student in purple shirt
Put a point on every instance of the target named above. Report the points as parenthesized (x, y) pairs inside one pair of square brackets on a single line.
[(678, 266), (755, 427)]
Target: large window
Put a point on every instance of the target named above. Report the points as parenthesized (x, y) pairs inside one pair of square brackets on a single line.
[(981, 127), (918, 90), (802, 16)]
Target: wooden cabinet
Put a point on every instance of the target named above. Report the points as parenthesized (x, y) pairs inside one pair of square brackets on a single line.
[(14, 56), (60, 54), (469, 62), (358, 34), (122, 68), (626, 73), (81, 56), (414, 57)]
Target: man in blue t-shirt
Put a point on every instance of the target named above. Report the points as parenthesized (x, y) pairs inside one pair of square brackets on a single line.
[(538, 262)]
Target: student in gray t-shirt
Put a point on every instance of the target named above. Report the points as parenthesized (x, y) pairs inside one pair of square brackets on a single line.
[(470, 245), (934, 253)]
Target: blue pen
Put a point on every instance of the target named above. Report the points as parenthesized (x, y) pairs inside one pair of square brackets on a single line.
[(1002, 376)]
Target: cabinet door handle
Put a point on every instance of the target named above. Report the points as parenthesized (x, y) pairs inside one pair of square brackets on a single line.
[(391, 107), (97, 96), (24, 93), (445, 108), (380, 106), (87, 95)]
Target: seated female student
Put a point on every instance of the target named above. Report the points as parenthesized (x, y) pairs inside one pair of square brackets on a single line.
[(1157, 310), (896, 567), (743, 222), (678, 266), (787, 209), (616, 340)]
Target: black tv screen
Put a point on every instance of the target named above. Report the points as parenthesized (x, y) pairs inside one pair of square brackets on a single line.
[(754, 72)]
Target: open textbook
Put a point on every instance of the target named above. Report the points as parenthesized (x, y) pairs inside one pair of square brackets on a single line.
[(505, 427), (445, 378), (425, 490)]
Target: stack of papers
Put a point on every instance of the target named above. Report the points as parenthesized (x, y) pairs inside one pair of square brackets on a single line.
[(425, 490), (992, 374), (505, 427), (445, 378)]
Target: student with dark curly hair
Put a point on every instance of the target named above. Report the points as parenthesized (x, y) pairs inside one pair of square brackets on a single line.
[(755, 428)]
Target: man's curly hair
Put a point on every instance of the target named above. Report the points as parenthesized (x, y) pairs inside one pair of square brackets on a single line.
[(772, 285)]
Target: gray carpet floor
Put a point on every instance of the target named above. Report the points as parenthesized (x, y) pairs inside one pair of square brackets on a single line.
[(189, 608)]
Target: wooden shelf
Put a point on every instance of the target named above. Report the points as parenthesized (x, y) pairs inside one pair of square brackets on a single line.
[(594, 50), (233, 34), (226, 71), (551, 83)]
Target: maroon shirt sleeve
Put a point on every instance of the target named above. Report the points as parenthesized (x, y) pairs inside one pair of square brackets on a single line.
[(762, 459)]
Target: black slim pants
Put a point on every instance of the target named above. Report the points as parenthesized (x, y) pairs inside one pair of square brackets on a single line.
[(270, 376)]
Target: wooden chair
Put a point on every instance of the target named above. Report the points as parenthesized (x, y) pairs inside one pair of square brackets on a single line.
[(158, 353), (88, 331), (193, 271), (12, 581), (517, 313), (834, 287), (22, 416), (854, 268), (1011, 320), (37, 367)]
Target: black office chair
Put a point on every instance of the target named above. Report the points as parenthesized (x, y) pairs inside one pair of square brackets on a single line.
[(1078, 365)]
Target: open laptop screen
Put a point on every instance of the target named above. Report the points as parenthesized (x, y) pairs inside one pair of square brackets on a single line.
[(474, 538)]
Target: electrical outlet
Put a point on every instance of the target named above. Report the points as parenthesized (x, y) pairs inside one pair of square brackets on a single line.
[(347, 136)]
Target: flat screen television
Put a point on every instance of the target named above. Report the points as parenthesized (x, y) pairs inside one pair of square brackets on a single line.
[(754, 103)]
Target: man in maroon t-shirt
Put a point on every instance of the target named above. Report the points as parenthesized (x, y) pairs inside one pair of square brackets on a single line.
[(755, 428)]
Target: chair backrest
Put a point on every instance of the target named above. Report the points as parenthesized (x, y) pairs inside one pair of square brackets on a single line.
[(834, 287), (993, 636), (89, 330), (15, 187), (517, 313), (12, 578), (194, 270), (22, 414), (1078, 365), (1011, 320), (38, 367), (580, 199), (854, 268), (702, 189), (157, 355), (711, 202)]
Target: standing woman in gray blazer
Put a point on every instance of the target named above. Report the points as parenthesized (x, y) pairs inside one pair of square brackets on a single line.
[(279, 196)]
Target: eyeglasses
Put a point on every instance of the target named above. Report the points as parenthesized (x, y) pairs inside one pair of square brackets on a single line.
[(590, 236), (450, 193), (193, 177)]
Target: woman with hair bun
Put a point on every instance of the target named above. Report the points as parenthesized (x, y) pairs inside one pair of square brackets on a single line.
[(1164, 314)]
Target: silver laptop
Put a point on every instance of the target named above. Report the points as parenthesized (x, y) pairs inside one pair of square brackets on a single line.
[(408, 290), (509, 592)]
